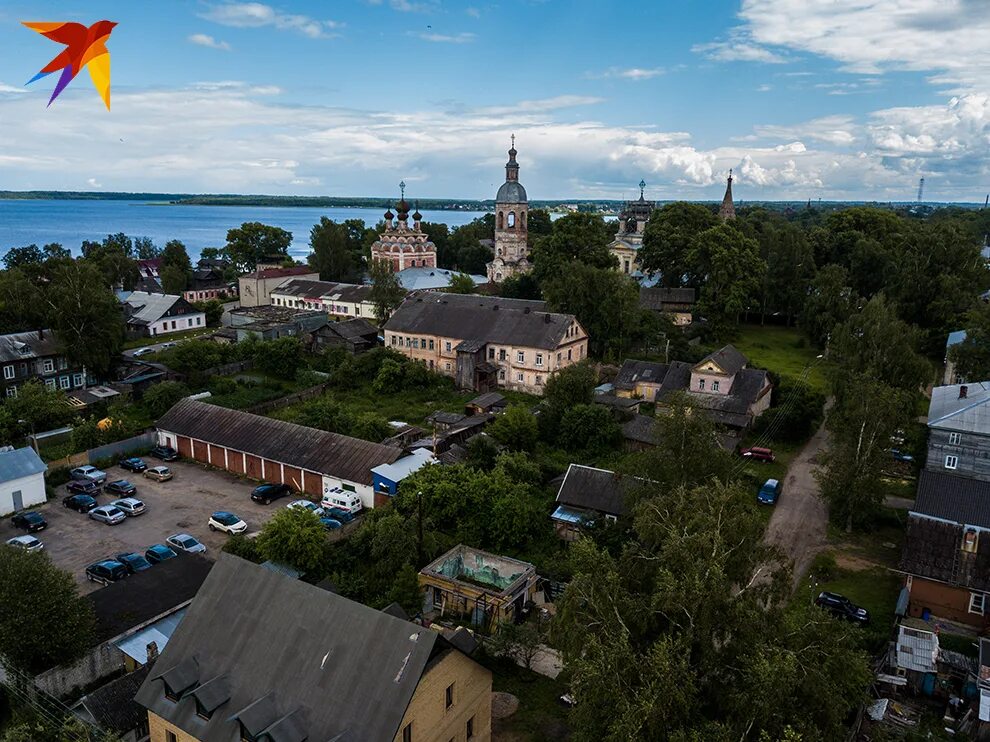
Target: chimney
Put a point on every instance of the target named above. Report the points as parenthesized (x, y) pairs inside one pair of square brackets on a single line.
[(152, 649), (962, 391), (546, 318), (41, 334)]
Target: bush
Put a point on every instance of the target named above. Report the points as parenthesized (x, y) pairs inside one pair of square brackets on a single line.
[(160, 398), (220, 385), (796, 410), (824, 566), (389, 378), (241, 546), (372, 427), (516, 428), (588, 427)]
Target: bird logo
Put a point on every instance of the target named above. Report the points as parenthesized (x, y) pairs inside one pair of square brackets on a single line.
[(85, 47)]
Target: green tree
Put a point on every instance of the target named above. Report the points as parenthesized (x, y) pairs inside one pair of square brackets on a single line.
[(464, 250), (668, 236), (790, 261), (21, 305), (20, 257), (461, 283), (115, 257), (386, 291), (830, 302), (146, 249), (390, 377), (39, 407), (521, 286), (213, 309), (248, 244), (281, 357), (174, 281), (575, 237), (972, 356), (294, 536), (439, 234), (539, 224), (589, 428), (371, 426), (43, 620), (327, 414), (160, 398), (516, 428), (174, 256), (406, 590), (336, 250), (569, 386)]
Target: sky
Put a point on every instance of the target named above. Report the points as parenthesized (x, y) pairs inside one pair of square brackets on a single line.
[(830, 99)]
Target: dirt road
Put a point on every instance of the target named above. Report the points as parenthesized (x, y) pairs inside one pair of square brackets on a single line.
[(799, 518)]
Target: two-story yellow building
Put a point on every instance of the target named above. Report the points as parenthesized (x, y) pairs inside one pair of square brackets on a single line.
[(486, 342), (261, 656)]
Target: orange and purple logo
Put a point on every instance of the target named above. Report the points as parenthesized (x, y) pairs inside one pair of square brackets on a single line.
[(85, 47)]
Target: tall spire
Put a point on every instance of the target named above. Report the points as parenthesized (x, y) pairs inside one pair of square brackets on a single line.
[(512, 167), (728, 209), (642, 188), (402, 208)]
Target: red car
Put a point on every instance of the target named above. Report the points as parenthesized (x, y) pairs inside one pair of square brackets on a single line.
[(758, 454)]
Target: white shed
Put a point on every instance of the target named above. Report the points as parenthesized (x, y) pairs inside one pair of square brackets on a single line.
[(22, 479)]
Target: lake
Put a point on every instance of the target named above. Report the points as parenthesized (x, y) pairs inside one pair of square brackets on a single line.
[(70, 222)]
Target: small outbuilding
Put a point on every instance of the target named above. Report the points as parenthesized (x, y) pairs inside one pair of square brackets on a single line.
[(488, 402), (22, 479)]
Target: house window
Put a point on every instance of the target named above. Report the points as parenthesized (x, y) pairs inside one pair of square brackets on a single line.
[(77, 380), (558, 359), (407, 732), (201, 711), (422, 343), (470, 728), (65, 382), (415, 343), (520, 357), (11, 391), (393, 340), (8, 372), (977, 603), (955, 439), (491, 354), (502, 355), (539, 359), (175, 325), (170, 736), (431, 344), (199, 320), (568, 354), (62, 364), (446, 346), (348, 487), (170, 694), (951, 462), (501, 375), (50, 383), (190, 321), (519, 376), (447, 366), (448, 696), (408, 342), (539, 380), (714, 386), (701, 385), (48, 366)]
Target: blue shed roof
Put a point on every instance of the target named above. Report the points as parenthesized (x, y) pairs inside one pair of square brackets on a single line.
[(16, 463), (955, 338)]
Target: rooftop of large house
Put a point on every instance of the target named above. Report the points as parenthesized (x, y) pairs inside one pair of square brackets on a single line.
[(262, 656), (428, 279), (589, 488), (661, 299), (147, 308), (295, 445), (306, 289), (26, 346), (350, 329), (490, 572), (953, 498), (489, 319), (961, 407), (295, 270)]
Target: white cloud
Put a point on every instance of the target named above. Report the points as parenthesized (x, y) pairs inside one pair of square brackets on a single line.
[(202, 39), (439, 38), (12, 89), (473, 12), (630, 73), (835, 130), (737, 49), (258, 15), (92, 183), (542, 105)]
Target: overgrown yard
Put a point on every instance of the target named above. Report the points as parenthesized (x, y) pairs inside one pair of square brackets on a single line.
[(541, 714), (783, 350)]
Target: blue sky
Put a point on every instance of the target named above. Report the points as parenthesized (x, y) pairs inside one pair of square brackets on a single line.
[(802, 98)]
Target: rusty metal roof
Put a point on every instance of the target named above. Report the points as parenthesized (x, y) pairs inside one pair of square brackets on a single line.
[(295, 445)]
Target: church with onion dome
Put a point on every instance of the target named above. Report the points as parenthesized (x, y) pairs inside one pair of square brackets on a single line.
[(629, 239), (511, 229), (400, 245)]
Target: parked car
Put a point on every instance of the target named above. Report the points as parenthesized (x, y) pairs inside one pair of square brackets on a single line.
[(158, 553), (108, 514), (120, 487), (80, 503), (135, 465), (226, 522), (842, 607), (158, 473), (340, 498), (133, 561), (105, 572), (267, 492), (27, 543), (164, 453), (331, 524), (88, 473), (185, 542), (130, 505), (166, 346), (758, 454), (306, 505), (900, 455), (769, 492), (143, 352), (344, 516), (83, 488), (31, 521)]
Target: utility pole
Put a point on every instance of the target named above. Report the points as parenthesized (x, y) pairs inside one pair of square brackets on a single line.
[(419, 528)]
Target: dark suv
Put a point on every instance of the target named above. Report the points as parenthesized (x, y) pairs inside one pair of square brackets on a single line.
[(105, 572), (30, 521), (80, 487), (841, 607), (164, 453), (267, 492), (80, 503)]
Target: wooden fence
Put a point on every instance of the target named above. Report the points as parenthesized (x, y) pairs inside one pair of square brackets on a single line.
[(263, 408)]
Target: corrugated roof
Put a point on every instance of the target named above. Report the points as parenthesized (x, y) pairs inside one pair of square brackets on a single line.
[(957, 499), (955, 338), (308, 448), (149, 308), (26, 346), (596, 489), (425, 279), (660, 299), (113, 707), (338, 669), (20, 462), (642, 428), (405, 466), (950, 410), (933, 549), (309, 289), (350, 329), (488, 319)]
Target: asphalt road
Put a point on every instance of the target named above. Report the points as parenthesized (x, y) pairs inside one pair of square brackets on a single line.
[(799, 520)]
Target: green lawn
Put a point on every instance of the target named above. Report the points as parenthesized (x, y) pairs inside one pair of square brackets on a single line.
[(783, 350), (541, 715), (170, 338), (875, 589)]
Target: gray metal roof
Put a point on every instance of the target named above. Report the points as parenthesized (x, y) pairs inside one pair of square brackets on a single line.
[(596, 489), (296, 661), (488, 319), (302, 288), (26, 346), (511, 192), (147, 307), (112, 706), (660, 299), (957, 499), (20, 462), (640, 372), (296, 445), (961, 407), (727, 358), (426, 279)]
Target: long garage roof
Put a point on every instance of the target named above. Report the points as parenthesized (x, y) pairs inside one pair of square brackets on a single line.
[(287, 443)]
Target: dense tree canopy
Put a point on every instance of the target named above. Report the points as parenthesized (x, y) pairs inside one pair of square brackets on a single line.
[(249, 243)]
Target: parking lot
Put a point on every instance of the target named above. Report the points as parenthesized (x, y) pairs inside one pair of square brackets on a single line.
[(181, 505)]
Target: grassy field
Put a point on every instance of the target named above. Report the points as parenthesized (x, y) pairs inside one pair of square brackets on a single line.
[(541, 715), (170, 338), (783, 350), (875, 589)]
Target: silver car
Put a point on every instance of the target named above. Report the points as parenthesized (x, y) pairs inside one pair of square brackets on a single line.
[(130, 505), (88, 474), (185, 542), (108, 514), (27, 543)]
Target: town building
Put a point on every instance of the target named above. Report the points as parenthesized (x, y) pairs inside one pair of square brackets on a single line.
[(946, 555), (678, 303), (959, 430), (353, 335), (341, 300), (483, 588), (727, 210), (263, 657), (486, 342), (255, 288), (25, 356), (112, 707), (433, 279), (208, 283), (272, 322), (388, 476), (311, 461), (587, 495), (400, 246), (721, 384), (22, 479), (149, 275), (511, 225), (629, 239), (150, 315)]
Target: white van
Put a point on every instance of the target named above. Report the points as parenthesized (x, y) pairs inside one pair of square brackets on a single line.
[(338, 498)]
